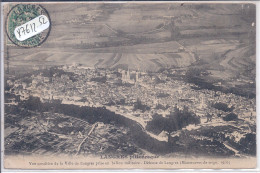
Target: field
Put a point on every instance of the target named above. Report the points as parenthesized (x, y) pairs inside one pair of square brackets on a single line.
[(51, 133), (146, 36)]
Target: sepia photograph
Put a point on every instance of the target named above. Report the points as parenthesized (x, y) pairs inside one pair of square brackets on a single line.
[(150, 85)]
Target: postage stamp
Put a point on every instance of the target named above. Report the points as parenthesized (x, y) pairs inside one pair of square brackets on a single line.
[(28, 25)]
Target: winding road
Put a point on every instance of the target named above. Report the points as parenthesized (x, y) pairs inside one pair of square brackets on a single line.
[(89, 133)]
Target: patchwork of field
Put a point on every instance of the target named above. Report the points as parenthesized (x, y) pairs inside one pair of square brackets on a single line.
[(53, 133), (147, 57), (148, 36)]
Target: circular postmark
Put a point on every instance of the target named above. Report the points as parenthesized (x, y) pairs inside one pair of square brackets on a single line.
[(19, 19)]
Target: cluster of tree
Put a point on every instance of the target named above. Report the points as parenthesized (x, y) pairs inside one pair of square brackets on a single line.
[(176, 120), (194, 73), (195, 76), (158, 80), (160, 106), (223, 107), (54, 70), (139, 105), (7, 87), (102, 79), (116, 102), (242, 91), (27, 80), (230, 117), (100, 114), (119, 75), (50, 73), (161, 95), (84, 99), (248, 144)]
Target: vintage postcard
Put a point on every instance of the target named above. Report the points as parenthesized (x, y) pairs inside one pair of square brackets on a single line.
[(144, 85)]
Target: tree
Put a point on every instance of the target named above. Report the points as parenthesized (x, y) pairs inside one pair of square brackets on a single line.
[(160, 106), (176, 120), (33, 103), (179, 119), (138, 105), (102, 79), (192, 73), (157, 124), (171, 125), (223, 106), (230, 117)]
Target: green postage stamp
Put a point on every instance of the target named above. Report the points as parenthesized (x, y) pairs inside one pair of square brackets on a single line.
[(28, 25)]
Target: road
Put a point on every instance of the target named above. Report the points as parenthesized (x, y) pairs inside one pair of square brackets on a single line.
[(89, 133)]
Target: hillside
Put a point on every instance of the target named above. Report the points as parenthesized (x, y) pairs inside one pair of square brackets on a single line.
[(219, 37)]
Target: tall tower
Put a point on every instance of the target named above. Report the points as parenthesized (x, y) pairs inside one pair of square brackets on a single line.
[(202, 103), (128, 75), (123, 76), (137, 76)]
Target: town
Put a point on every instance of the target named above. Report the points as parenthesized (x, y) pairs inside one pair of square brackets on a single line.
[(120, 90)]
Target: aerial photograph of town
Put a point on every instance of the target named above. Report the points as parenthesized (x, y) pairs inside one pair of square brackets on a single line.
[(165, 79)]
